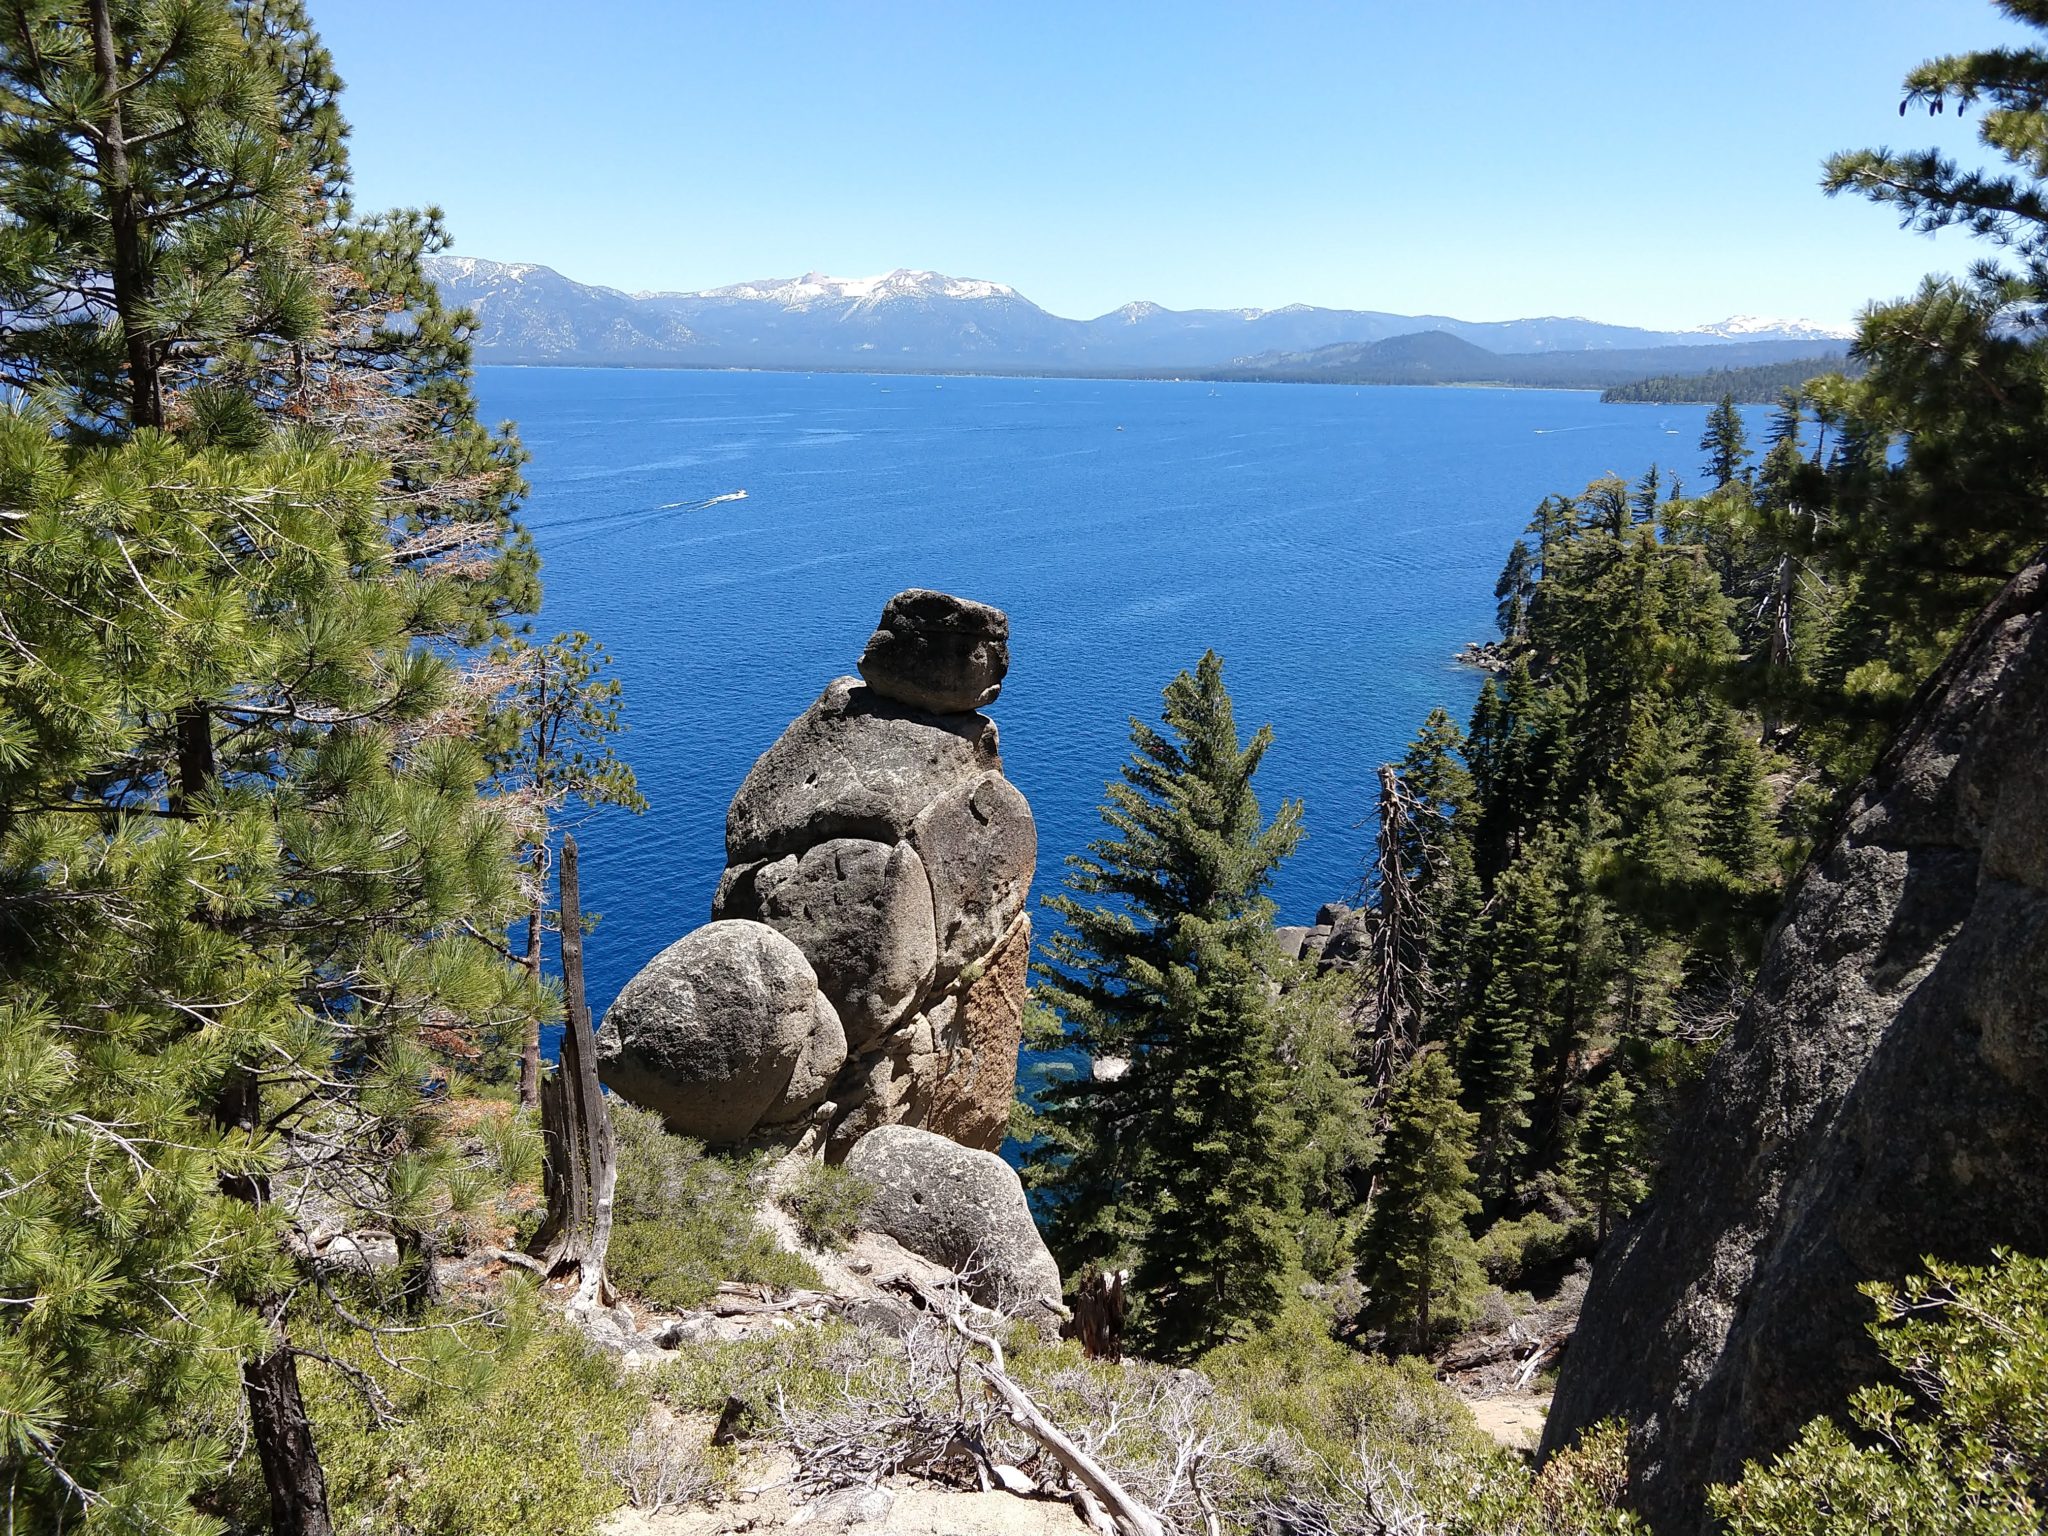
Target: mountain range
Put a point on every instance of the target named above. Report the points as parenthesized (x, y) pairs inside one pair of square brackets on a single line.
[(916, 320)]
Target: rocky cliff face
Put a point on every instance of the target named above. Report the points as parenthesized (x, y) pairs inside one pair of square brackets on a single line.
[(1885, 1097), (866, 962)]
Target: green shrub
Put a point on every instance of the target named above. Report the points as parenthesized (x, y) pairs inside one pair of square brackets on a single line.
[(827, 1203), (1512, 1252), (485, 1428), (684, 1221), (806, 1367), (1969, 1454), (512, 1145), (1334, 1400)]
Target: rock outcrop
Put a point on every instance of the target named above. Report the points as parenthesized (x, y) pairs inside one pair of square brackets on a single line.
[(879, 840), (963, 1209), (1884, 1097)]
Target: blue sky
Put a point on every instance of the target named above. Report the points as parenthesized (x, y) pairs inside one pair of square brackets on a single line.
[(1644, 162)]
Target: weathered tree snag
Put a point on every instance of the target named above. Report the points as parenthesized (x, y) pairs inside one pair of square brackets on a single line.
[(581, 1165), (529, 1050), (1099, 1313), (1400, 968)]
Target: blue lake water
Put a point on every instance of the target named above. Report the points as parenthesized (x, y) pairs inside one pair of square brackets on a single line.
[(1336, 545)]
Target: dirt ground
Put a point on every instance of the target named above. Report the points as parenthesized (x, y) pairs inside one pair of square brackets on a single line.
[(1515, 1419)]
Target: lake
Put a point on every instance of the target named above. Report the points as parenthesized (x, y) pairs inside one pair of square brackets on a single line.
[(1335, 545)]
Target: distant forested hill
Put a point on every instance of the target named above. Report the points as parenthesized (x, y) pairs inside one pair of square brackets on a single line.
[(1437, 357), (1760, 385)]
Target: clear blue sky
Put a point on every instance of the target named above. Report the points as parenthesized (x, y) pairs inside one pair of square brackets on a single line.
[(1640, 161)]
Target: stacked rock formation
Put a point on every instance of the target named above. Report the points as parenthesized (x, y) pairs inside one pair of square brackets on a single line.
[(866, 961), (1884, 1097)]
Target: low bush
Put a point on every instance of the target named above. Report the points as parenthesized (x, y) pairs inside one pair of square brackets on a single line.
[(1967, 1451), (1521, 1254), (684, 1221), (471, 1426), (827, 1203)]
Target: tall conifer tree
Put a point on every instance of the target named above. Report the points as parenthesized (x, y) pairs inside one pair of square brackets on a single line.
[(1418, 1261), (241, 841), (1180, 1161)]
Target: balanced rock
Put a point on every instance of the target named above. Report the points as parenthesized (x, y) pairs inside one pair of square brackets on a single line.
[(961, 1208), (855, 764), (1882, 1098), (861, 912), (722, 1033), (879, 839), (938, 652)]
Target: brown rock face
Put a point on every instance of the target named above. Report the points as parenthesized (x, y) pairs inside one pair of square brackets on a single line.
[(976, 1055), (879, 838), (1884, 1097)]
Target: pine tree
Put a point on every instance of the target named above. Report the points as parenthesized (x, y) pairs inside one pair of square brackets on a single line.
[(555, 723), (1738, 832), (1725, 443), (241, 836), (1516, 586), (1605, 1166), (1437, 849), (1180, 1162), (1498, 1065), (1417, 1260)]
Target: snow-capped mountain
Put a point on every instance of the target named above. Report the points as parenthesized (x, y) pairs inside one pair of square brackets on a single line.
[(1763, 328), (815, 288), (911, 318)]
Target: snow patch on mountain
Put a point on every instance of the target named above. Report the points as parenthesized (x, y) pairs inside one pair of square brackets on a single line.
[(1767, 328), (815, 288)]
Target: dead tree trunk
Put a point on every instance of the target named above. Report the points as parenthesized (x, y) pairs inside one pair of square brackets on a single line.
[(581, 1158), (1399, 976), (1099, 1312), (536, 925)]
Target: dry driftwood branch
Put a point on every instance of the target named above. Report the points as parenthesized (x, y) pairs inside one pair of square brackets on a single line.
[(1126, 1515)]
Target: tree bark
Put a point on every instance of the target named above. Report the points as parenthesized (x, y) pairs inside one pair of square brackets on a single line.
[(270, 1383), (130, 275), (529, 1052), (581, 1158), (284, 1440)]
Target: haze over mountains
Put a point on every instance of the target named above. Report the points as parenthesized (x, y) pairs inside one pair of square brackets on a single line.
[(911, 320)]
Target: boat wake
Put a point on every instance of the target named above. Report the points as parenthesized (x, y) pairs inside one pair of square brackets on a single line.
[(699, 506)]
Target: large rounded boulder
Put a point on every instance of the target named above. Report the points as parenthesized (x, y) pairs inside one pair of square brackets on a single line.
[(938, 652), (855, 764), (723, 1033), (963, 1209)]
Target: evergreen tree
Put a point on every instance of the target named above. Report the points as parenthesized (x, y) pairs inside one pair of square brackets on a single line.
[(1605, 1168), (1516, 585), (1417, 1260), (555, 722), (1725, 443), (1498, 1066), (1181, 1162), (244, 864)]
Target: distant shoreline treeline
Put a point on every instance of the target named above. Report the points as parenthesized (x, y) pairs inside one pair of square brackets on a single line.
[(1617, 375), (1764, 384)]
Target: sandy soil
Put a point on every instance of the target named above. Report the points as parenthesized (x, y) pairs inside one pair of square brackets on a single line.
[(1515, 1419)]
